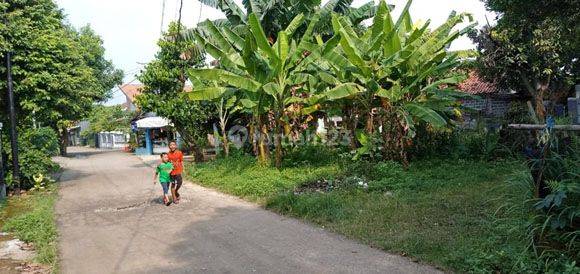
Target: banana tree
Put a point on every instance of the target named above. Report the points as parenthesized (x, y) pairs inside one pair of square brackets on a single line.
[(276, 15), (226, 104), (406, 71), (265, 73)]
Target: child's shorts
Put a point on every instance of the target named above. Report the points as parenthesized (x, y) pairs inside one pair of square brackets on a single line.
[(165, 187)]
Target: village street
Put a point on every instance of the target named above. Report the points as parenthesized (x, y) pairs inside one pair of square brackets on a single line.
[(110, 220)]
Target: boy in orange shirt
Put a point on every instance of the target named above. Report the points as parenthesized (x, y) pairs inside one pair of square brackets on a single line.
[(176, 158)]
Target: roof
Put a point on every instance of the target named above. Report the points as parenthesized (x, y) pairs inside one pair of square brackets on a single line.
[(475, 84), (131, 90)]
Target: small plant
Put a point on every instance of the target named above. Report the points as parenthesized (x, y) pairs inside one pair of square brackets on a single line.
[(41, 182)]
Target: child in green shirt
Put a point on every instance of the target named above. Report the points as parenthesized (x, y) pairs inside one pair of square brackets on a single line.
[(163, 170)]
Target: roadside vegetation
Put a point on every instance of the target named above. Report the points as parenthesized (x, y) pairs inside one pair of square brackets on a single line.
[(403, 171), (30, 218), (440, 212)]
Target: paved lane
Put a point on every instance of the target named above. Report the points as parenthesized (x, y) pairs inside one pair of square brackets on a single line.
[(110, 220)]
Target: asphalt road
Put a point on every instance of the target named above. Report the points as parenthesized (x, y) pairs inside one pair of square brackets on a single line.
[(110, 220)]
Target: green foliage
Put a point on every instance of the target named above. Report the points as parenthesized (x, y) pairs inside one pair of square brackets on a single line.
[(478, 144), (44, 140), (555, 223), (164, 79), (532, 48), (405, 74), (36, 146), (276, 16), (241, 176), (59, 72), (282, 72), (108, 118), (438, 211), (34, 163), (35, 224)]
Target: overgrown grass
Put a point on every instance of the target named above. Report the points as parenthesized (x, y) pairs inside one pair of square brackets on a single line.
[(31, 219), (441, 212), (243, 177)]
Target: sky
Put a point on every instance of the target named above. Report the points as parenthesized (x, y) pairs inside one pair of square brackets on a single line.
[(131, 28)]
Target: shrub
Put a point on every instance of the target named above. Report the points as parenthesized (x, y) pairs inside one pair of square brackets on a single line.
[(34, 163), (552, 189), (477, 144), (36, 146), (42, 139)]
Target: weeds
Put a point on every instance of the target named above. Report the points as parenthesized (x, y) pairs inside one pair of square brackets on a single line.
[(34, 223)]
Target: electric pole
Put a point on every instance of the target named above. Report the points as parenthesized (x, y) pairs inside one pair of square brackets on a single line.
[(12, 114), (2, 181)]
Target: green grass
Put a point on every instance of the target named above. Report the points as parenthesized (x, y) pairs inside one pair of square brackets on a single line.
[(31, 219), (241, 176), (441, 212)]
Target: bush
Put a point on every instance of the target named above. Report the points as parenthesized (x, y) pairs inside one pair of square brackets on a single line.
[(42, 139), (36, 146), (552, 193), (476, 144), (34, 163)]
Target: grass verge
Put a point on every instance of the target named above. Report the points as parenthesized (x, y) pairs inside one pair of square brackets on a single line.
[(31, 219), (441, 212)]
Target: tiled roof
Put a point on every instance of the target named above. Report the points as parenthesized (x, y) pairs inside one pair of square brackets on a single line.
[(131, 90), (476, 85)]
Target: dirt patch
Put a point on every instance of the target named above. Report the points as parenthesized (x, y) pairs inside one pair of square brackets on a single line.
[(15, 257), (320, 186)]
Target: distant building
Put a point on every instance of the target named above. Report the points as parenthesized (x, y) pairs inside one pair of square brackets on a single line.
[(152, 133), (492, 101), (131, 91)]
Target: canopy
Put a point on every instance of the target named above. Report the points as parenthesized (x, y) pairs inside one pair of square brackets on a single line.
[(152, 122)]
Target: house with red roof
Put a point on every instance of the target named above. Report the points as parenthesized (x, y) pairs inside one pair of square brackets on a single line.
[(131, 91), (492, 101)]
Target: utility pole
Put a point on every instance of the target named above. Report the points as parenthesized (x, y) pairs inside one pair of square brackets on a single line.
[(12, 114), (2, 181)]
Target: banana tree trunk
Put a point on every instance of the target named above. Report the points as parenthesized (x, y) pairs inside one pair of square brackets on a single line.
[(393, 135), (370, 126), (252, 139), (350, 124), (263, 151), (278, 140), (225, 137)]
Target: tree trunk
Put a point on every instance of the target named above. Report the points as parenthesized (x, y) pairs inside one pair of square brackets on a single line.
[(393, 135), (539, 101), (225, 137), (63, 141), (278, 140), (226, 141), (350, 125), (197, 152), (370, 123), (263, 151), (252, 137)]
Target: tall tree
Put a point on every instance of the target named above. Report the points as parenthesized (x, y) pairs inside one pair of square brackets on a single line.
[(165, 78), (58, 73), (94, 55), (534, 47)]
